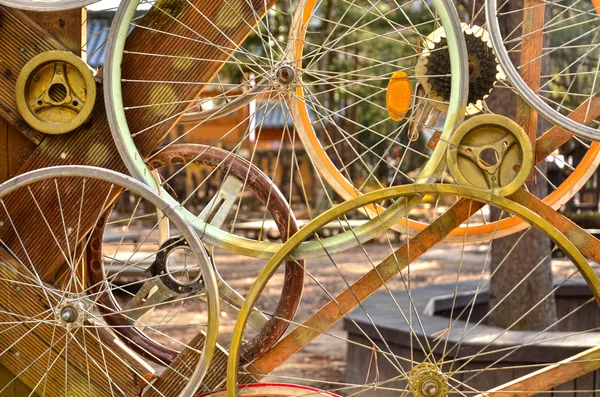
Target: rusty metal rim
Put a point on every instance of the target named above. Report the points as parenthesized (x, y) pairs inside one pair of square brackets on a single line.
[(269, 195)]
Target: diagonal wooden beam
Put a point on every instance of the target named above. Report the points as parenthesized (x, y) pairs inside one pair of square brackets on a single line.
[(555, 137), (584, 241)]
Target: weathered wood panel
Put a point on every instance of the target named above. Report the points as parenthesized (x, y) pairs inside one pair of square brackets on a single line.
[(92, 143)]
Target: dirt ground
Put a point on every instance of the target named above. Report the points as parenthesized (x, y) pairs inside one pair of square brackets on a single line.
[(322, 362)]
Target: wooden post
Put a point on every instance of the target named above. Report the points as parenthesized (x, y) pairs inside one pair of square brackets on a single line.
[(531, 65), (15, 148)]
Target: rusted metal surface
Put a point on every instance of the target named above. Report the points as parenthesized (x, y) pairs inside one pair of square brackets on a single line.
[(278, 208)]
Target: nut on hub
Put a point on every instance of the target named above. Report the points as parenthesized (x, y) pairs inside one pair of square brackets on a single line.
[(286, 74), (68, 314), (426, 380), (55, 92), (71, 312)]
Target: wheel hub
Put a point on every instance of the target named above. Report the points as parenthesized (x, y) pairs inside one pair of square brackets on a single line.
[(68, 314), (71, 312), (426, 380), (55, 92), (286, 75)]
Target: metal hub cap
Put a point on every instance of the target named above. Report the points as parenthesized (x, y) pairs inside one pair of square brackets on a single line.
[(72, 312), (286, 74), (68, 314)]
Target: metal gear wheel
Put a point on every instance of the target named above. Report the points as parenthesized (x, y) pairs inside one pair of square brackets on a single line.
[(434, 68)]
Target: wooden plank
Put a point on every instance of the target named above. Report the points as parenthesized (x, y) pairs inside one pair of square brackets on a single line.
[(531, 64), (583, 241), (66, 26), (18, 150), (4, 153), (21, 389), (555, 137), (365, 286), (7, 382)]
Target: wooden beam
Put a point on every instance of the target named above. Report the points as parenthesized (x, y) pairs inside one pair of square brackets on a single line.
[(531, 64), (68, 27), (555, 137), (549, 377)]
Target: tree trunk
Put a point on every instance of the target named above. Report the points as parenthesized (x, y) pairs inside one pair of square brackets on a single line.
[(533, 248)]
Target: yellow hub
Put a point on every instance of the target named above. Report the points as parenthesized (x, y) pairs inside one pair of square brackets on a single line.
[(55, 92), (426, 380), (490, 152)]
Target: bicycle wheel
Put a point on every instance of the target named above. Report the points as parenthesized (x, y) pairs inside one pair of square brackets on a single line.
[(412, 314), (64, 346), (267, 74), (563, 163), (568, 35), (178, 287)]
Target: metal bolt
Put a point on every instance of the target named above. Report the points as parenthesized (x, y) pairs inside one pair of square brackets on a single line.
[(429, 388), (68, 314), (285, 75)]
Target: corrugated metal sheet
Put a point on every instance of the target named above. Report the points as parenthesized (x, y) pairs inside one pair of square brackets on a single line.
[(272, 115), (98, 25)]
